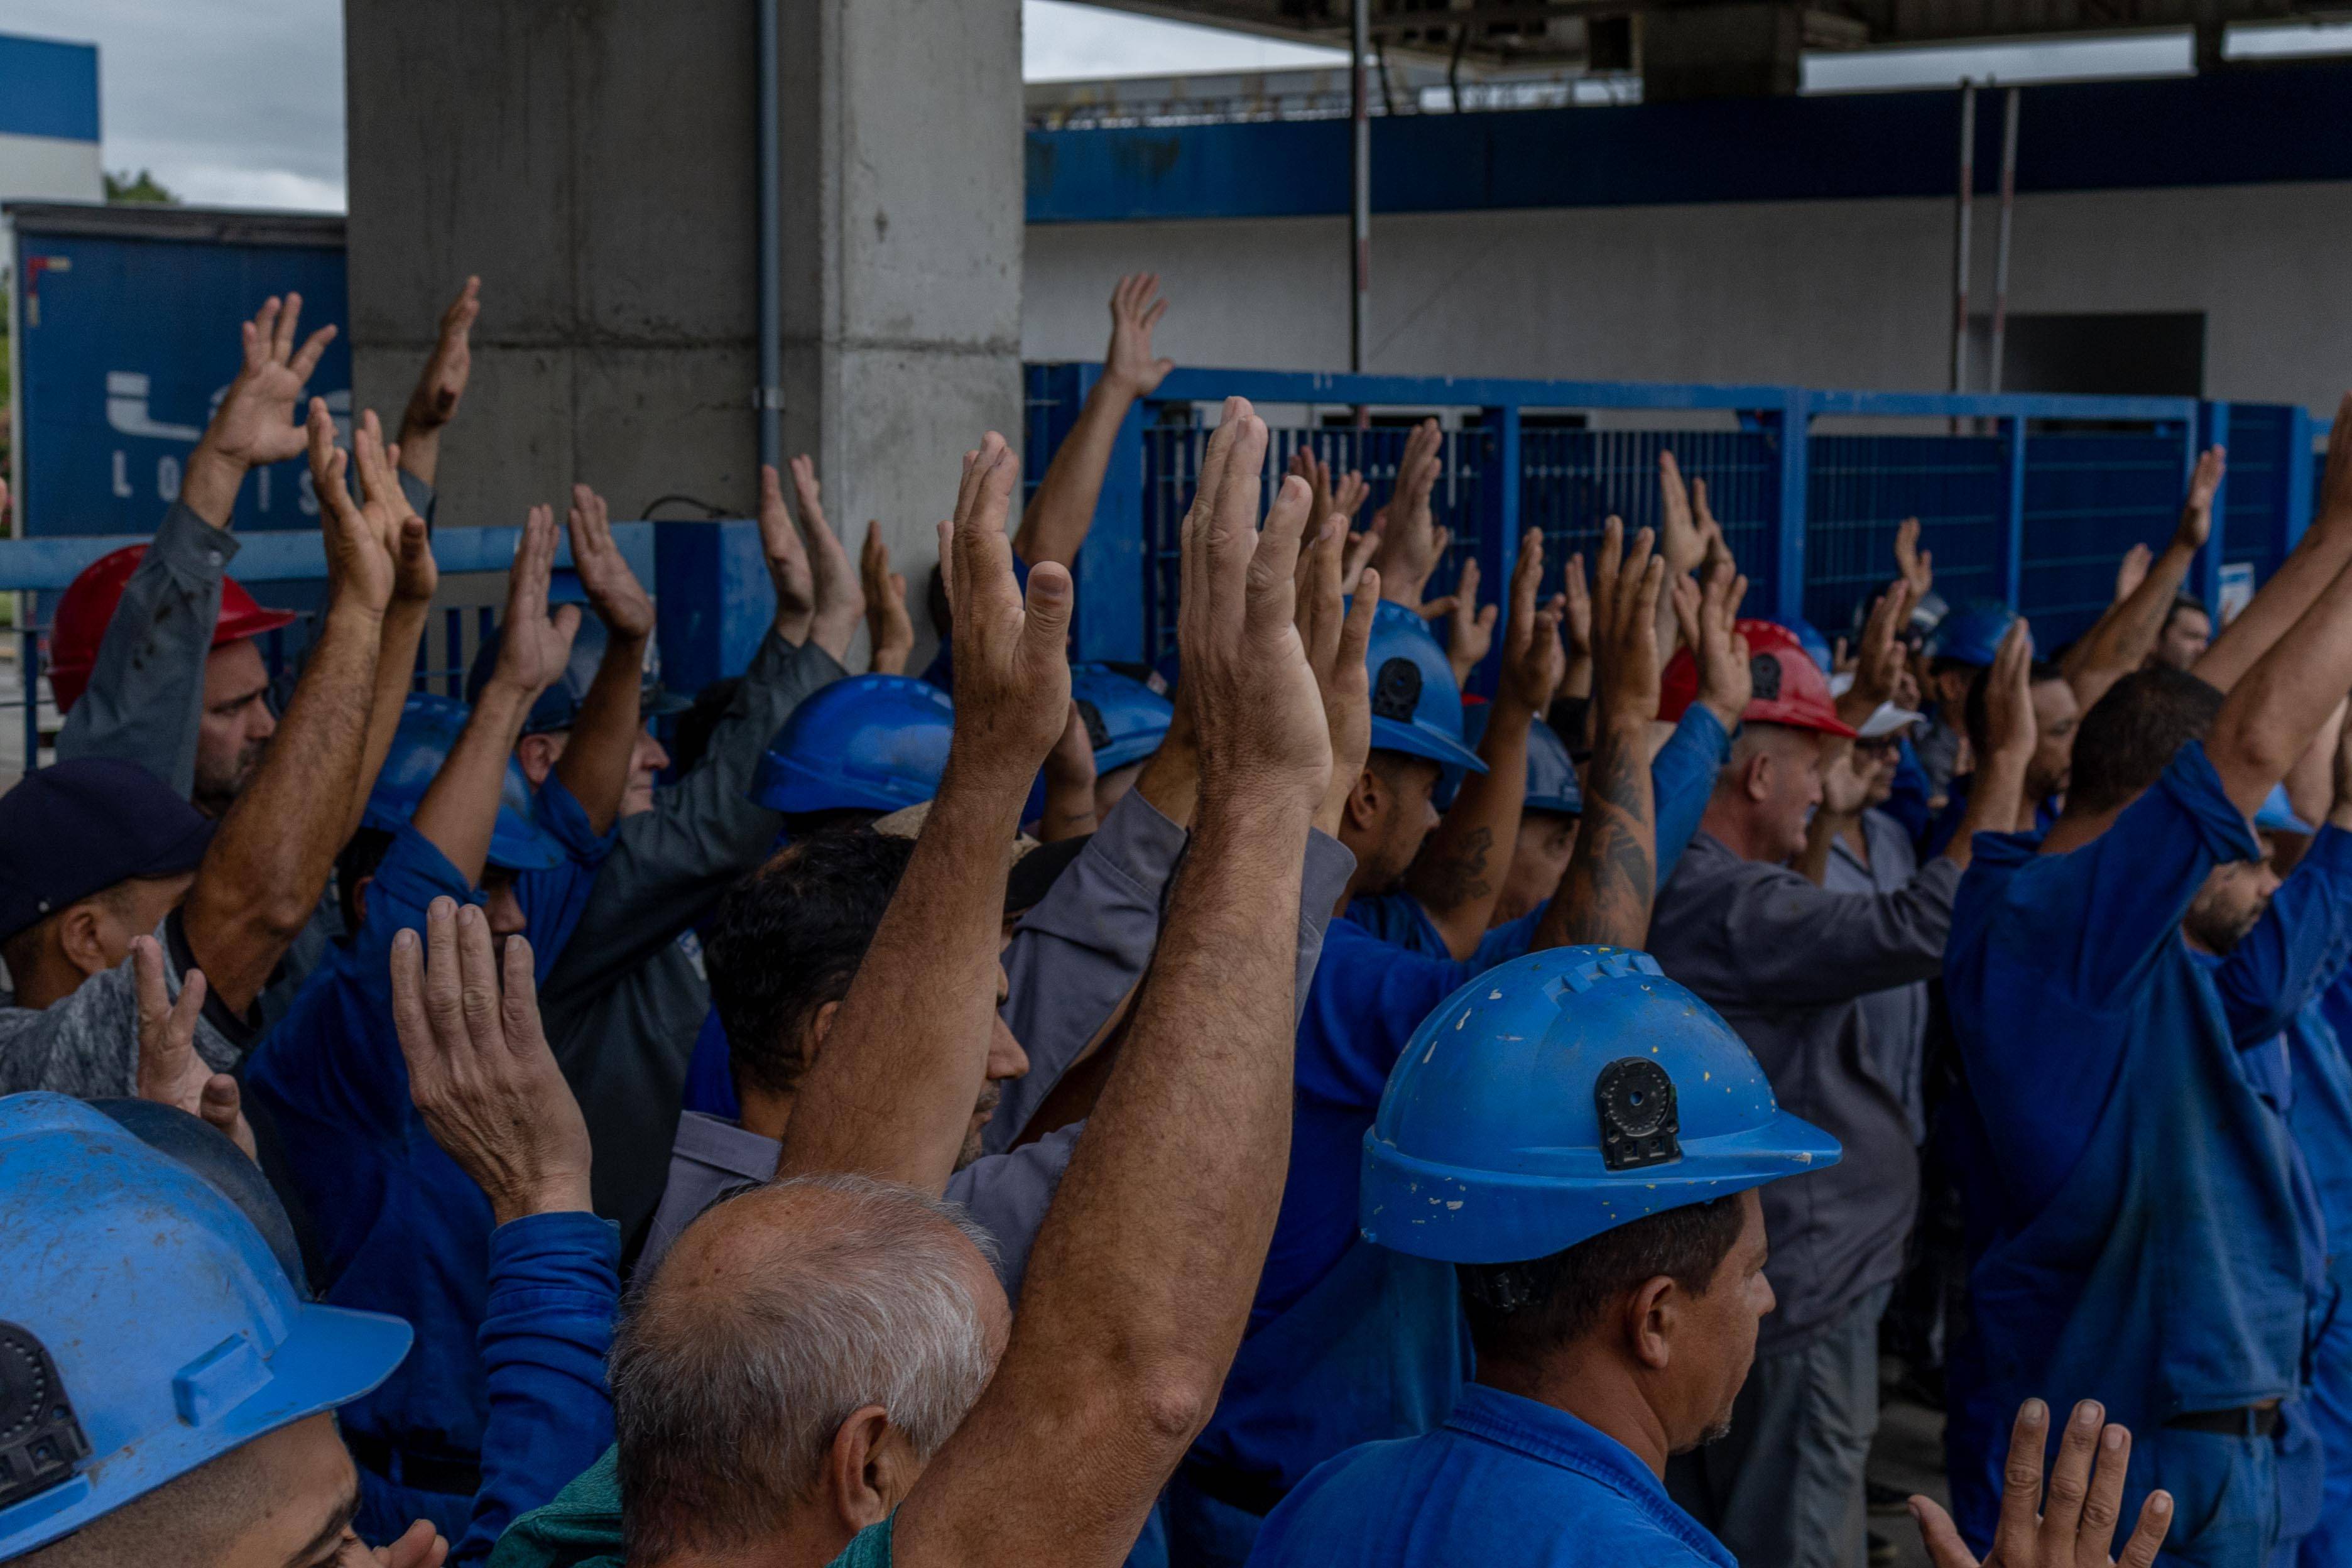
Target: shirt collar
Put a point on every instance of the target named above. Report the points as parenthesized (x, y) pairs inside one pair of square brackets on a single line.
[(1552, 1435)]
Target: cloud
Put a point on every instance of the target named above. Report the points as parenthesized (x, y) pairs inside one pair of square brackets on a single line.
[(1064, 42)]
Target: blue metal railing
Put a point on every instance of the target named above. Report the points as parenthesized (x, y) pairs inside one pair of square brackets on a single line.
[(2028, 499)]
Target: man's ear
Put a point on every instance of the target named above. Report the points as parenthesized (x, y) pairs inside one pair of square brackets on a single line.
[(1653, 1312), (1367, 802), (81, 937), (820, 1026), (359, 896), (1755, 776), (863, 1478), (538, 754)]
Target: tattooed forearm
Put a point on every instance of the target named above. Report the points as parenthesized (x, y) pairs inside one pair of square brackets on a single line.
[(1452, 875), (1611, 879)]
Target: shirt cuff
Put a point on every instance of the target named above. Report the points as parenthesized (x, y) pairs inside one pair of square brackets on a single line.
[(2197, 790), (1699, 725), (1139, 838), (413, 873), (572, 1251), (1329, 864), (555, 808)]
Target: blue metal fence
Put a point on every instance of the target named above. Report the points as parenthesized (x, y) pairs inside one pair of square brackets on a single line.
[(2026, 498)]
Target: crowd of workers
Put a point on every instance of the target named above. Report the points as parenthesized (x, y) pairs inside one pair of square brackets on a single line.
[(1272, 1109)]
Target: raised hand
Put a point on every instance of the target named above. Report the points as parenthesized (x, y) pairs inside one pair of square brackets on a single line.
[(2011, 730), (370, 540), (442, 386), (614, 591), (1626, 592), (1012, 669), (1534, 661), (1412, 544), (837, 606), (888, 628), (533, 645), (170, 1070), (1470, 629), (1708, 613), (1680, 539), (1069, 784), (1256, 705), (1917, 567), (2085, 1500), (1133, 313), (2197, 513), (788, 562), (1358, 551), (2132, 570), (1718, 553), (1879, 657), (1335, 631), (478, 1065), (257, 420)]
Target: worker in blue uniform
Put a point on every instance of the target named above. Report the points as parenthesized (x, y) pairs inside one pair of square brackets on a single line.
[(1964, 642), (184, 1379), (2134, 1218), (1350, 1342), (1570, 1142), (400, 1227)]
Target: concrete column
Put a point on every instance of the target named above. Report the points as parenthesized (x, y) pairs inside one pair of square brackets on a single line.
[(594, 161)]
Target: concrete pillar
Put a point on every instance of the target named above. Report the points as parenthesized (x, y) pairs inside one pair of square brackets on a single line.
[(594, 161)]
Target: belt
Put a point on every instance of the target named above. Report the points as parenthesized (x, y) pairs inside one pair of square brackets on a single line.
[(402, 1467), (2245, 1421), (1249, 1490)]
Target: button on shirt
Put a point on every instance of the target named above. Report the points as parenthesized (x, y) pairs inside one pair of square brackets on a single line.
[(1505, 1483)]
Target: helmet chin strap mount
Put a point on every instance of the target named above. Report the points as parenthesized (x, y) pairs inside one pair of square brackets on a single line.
[(41, 1439), (1639, 1121)]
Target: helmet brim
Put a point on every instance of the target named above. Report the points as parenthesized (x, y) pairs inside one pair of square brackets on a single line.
[(1423, 740), (517, 844), (1454, 1215)]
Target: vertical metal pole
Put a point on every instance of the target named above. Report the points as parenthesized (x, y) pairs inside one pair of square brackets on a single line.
[(1962, 237), (1359, 160), (2000, 251), (768, 398)]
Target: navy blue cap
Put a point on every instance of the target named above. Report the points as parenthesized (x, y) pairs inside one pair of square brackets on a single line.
[(76, 828), (558, 707)]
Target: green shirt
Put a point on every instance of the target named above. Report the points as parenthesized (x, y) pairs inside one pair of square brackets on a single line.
[(582, 1529)]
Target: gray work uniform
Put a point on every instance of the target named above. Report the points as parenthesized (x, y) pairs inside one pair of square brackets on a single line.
[(1790, 965), (1071, 961), (626, 996), (1894, 1021), (1937, 747)]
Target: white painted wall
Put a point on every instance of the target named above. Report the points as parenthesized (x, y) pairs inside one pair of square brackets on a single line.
[(49, 169), (1834, 294)]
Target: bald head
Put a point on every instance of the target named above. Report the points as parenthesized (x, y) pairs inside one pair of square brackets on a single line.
[(779, 1315)]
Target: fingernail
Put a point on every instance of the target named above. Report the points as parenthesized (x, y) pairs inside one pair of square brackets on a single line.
[(2160, 1503), (2112, 1438), (404, 939), (2035, 1410), (2087, 1414)]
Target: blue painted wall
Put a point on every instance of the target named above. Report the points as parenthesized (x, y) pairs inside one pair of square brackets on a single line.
[(48, 88), (2245, 125)]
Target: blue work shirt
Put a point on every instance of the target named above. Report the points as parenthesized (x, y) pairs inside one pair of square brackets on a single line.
[(1682, 776), (2131, 1199), (1956, 810), (1505, 1482), (401, 1228)]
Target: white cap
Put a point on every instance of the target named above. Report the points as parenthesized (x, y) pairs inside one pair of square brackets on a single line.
[(1888, 720)]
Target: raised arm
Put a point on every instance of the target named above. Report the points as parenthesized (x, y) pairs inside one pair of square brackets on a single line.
[(1459, 874), (255, 424), (1999, 794), (594, 766), (891, 1094), (2119, 643), (817, 595), (1681, 541), (2302, 578), (441, 386), (1611, 879), (889, 632), (415, 578), (462, 802), (262, 875), (1140, 1282), (1055, 522)]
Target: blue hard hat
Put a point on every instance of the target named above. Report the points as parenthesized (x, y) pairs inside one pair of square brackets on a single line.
[(429, 727), (1971, 635), (1810, 638), (871, 743), (150, 1329), (1552, 784), (558, 707), (1561, 1095), (1416, 706), (1125, 720), (2277, 814)]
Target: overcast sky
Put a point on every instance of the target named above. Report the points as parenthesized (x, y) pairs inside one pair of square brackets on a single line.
[(240, 102)]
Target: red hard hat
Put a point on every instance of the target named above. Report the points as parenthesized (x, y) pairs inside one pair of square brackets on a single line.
[(1789, 687), (87, 605)]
